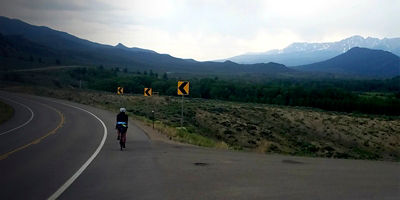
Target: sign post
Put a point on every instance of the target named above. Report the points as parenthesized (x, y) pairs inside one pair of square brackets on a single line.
[(182, 113), (120, 91), (153, 117), (183, 90), (148, 92)]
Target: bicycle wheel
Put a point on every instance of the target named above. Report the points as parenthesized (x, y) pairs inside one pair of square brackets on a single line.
[(123, 137)]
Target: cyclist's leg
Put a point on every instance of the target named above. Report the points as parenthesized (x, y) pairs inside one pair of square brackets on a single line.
[(123, 138), (121, 141), (118, 134)]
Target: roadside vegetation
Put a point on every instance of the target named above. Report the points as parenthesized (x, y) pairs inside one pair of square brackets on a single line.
[(251, 126), (6, 112), (333, 118), (380, 97)]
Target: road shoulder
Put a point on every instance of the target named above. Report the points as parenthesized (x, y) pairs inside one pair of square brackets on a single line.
[(6, 112)]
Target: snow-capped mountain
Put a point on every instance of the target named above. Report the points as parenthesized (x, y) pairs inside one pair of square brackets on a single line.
[(302, 53)]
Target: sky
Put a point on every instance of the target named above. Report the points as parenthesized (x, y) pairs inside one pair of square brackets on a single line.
[(210, 29)]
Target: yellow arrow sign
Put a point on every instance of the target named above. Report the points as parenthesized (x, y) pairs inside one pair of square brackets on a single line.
[(148, 92), (183, 87), (120, 90)]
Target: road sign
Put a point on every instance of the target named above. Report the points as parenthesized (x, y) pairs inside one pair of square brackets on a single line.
[(183, 87), (120, 90), (148, 92)]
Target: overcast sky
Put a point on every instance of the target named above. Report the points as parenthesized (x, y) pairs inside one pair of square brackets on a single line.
[(210, 29)]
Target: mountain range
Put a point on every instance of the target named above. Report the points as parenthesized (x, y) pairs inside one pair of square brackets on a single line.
[(307, 53), (21, 44), (73, 50)]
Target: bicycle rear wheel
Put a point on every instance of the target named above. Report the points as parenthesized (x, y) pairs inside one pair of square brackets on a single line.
[(122, 141)]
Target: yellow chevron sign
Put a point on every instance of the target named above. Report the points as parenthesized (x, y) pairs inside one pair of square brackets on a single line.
[(183, 87), (120, 90), (148, 92)]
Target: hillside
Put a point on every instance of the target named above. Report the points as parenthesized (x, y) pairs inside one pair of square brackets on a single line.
[(359, 62), (17, 52)]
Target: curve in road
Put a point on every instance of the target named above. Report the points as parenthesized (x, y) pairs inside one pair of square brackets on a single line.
[(87, 163), (37, 140), (37, 153)]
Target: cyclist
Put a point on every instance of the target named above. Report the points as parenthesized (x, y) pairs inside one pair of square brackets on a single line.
[(122, 126)]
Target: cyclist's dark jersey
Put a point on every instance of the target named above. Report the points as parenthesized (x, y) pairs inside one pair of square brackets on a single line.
[(122, 122)]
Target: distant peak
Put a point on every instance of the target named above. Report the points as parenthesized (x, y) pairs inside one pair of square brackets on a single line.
[(120, 45), (354, 37), (357, 37), (367, 50), (357, 49), (228, 61)]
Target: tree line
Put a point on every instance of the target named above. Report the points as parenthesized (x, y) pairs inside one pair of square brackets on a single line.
[(363, 96)]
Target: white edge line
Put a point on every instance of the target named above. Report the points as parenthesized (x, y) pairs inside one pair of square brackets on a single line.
[(22, 125), (87, 163)]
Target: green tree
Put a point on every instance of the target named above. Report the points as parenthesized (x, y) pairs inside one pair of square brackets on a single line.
[(165, 76)]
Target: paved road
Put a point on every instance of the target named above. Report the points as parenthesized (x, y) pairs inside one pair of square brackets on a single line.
[(156, 170)]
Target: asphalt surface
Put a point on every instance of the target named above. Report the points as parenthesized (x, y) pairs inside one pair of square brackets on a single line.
[(39, 158)]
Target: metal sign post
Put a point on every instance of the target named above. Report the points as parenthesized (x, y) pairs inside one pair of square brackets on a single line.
[(120, 91), (154, 106), (148, 92), (153, 118), (183, 89), (182, 113)]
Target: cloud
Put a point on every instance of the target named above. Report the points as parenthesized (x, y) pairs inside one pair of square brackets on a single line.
[(61, 5), (210, 29)]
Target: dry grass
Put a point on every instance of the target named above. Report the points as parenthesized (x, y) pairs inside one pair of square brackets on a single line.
[(304, 131)]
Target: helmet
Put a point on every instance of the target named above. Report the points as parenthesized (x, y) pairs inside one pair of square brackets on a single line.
[(122, 110)]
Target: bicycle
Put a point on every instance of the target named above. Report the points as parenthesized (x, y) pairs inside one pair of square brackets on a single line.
[(122, 140), (122, 129)]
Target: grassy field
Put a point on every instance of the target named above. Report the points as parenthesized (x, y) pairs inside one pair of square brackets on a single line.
[(6, 112), (253, 127)]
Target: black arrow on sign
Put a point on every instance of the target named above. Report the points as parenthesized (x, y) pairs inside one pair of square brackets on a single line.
[(182, 88), (147, 92)]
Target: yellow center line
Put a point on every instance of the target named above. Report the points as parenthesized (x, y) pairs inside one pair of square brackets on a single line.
[(36, 141)]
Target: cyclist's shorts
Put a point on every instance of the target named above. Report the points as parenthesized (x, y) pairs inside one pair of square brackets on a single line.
[(122, 129)]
